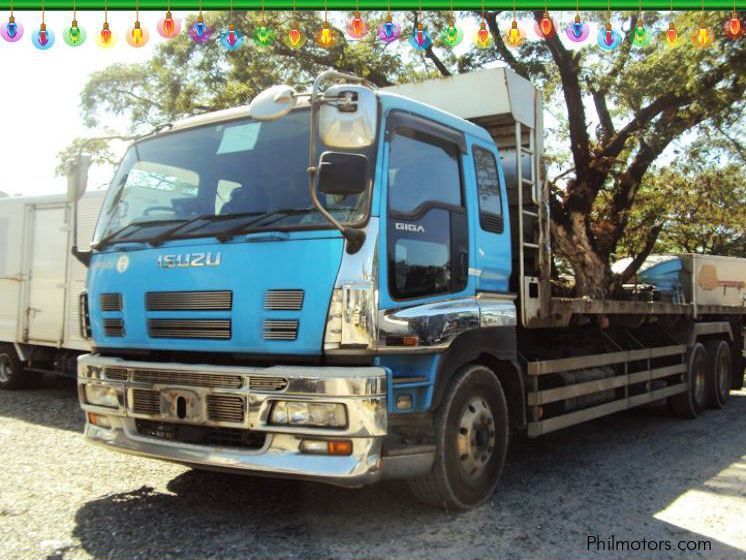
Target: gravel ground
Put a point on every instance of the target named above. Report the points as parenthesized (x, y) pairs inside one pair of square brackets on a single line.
[(637, 475)]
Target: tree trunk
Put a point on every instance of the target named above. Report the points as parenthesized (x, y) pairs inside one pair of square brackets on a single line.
[(572, 241)]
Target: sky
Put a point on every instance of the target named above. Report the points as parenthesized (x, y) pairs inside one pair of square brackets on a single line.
[(40, 94)]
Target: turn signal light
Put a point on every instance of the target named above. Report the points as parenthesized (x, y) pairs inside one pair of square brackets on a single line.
[(338, 447)]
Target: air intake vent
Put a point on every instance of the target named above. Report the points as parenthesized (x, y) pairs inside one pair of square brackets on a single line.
[(194, 379), (280, 329), (114, 327), (283, 300), (189, 301), (268, 384), (226, 408), (146, 402), (190, 328), (491, 223), (116, 374), (110, 302)]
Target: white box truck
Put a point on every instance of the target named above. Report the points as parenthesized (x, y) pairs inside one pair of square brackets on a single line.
[(40, 283)]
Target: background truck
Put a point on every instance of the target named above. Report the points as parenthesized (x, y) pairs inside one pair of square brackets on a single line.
[(385, 311), (40, 284)]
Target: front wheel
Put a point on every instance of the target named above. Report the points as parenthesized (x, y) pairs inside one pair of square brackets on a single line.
[(471, 433), (12, 374)]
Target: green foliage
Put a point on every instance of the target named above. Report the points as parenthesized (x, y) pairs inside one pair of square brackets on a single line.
[(184, 78)]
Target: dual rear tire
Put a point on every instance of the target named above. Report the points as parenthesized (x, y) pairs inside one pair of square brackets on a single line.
[(709, 378)]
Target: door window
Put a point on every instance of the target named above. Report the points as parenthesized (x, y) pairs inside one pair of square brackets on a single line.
[(427, 226), (422, 172), (488, 190)]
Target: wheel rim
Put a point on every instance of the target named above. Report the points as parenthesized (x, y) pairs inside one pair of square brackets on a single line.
[(476, 437), (4, 368)]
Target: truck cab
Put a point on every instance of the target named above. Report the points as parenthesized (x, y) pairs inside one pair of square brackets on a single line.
[(235, 326)]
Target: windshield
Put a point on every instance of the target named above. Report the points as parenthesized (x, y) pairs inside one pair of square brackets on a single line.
[(211, 178)]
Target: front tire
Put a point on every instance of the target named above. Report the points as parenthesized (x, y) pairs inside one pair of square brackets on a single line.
[(719, 373), (471, 433), (12, 374)]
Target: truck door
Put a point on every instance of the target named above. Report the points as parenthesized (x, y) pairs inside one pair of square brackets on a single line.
[(46, 287), (427, 228)]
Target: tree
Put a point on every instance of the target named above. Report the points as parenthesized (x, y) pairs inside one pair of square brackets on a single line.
[(697, 206), (619, 111)]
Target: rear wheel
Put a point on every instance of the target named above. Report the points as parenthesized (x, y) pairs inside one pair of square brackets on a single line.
[(471, 431), (719, 373), (691, 402), (12, 374)]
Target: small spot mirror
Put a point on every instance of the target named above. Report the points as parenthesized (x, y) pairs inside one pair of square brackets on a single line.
[(273, 103)]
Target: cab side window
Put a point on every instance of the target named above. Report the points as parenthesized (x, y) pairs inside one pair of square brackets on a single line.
[(427, 226), (488, 189)]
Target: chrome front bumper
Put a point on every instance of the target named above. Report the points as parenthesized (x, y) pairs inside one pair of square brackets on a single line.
[(361, 389)]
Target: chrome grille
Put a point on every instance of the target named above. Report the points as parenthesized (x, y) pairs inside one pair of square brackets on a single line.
[(146, 402), (114, 327), (226, 408), (283, 300), (268, 383), (116, 374), (110, 302), (280, 329), (194, 379), (190, 328), (189, 301)]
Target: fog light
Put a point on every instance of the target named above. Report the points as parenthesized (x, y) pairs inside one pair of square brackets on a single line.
[(323, 447), (297, 413), (101, 395), (98, 420), (403, 402)]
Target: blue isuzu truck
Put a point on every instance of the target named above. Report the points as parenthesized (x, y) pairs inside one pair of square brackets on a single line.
[(353, 284)]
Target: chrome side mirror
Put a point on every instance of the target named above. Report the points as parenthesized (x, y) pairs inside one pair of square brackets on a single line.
[(77, 177)]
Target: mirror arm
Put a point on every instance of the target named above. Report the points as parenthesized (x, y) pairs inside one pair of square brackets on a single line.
[(354, 237)]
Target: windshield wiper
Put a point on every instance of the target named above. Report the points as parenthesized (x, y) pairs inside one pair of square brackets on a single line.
[(135, 226), (245, 227), (207, 218)]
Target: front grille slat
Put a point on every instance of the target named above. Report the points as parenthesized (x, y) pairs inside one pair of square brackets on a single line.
[(114, 327), (219, 329), (189, 301), (268, 383), (110, 302), (226, 408), (146, 402), (194, 379), (283, 300), (116, 374), (280, 329)]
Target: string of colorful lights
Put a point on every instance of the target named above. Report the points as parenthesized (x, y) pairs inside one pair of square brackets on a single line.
[(389, 32)]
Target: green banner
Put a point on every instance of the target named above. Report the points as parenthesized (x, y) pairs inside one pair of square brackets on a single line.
[(347, 5)]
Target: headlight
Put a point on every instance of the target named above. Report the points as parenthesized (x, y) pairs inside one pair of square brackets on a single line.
[(101, 395), (323, 415)]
